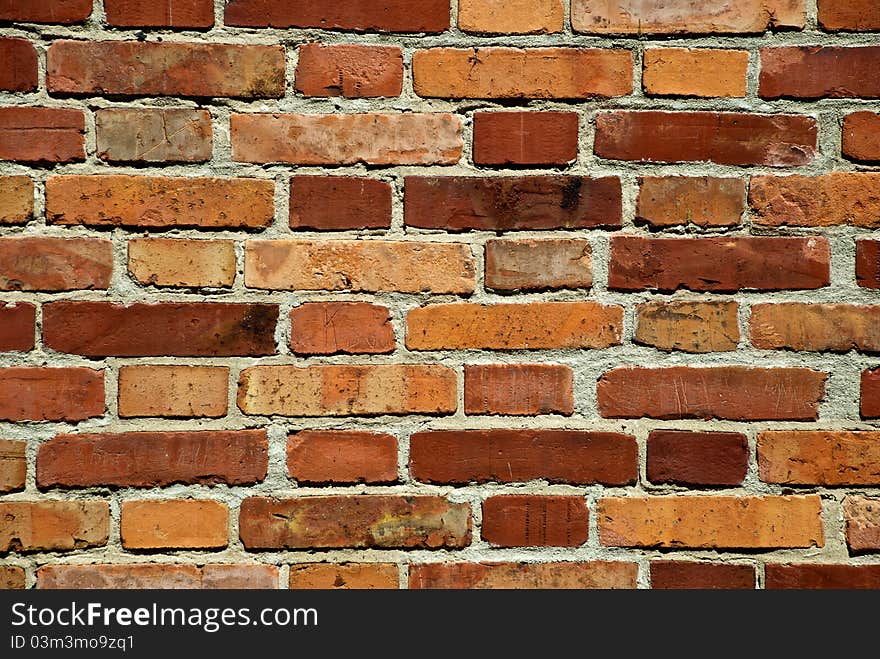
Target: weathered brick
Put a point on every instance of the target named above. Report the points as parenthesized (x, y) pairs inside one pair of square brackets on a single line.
[(510, 16), (17, 326), (153, 459), (819, 72), (13, 465), (358, 266), (53, 525), (338, 203), (344, 576), (179, 262), (46, 11), (51, 394), (816, 201), (16, 200), (19, 72), (518, 389), (718, 264), (330, 328), (174, 524), (815, 327), (697, 458), (239, 576), (724, 138), (849, 15), (173, 391), (685, 17), (805, 576), (861, 137), (55, 264), (512, 203), (538, 264), (356, 390), (494, 72), (576, 457), (533, 326), (159, 13), (870, 394), (146, 576), (372, 521), (351, 71), (819, 457), (535, 521), (701, 72), (716, 522), (158, 202), (347, 139), (738, 393), (862, 523), (525, 138), (192, 329), (688, 326), (682, 575), (680, 200), (12, 577), (342, 456), (42, 135), (151, 68), (603, 575), (153, 135), (355, 15)]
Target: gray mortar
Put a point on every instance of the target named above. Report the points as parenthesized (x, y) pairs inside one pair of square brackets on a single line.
[(838, 411)]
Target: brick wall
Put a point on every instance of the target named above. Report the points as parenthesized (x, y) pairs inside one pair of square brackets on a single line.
[(411, 293)]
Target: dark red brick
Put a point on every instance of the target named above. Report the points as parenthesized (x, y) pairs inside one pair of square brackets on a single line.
[(804, 576), (525, 138), (697, 458), (19, 70), (42, 135), (681, 575), (535, 521), (339, 203), (820, 72), (17, 326)]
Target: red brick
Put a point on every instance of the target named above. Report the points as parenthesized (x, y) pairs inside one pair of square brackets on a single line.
[(819, 72), (680, 200), (12, 577), (53, 525), (535, 521), (818, 457), (13, 465), (328, 139), (55, 264), (862, 523), (723, 392), (861, 137), (330, 328), (342, 456), (518, 389), (718, 264), (239, 576), (687, 18), (19, 72), (510, 16), (870, 398), (815, 327), (344, 576), (681, 575), (372, 521), (725, 138), (136, 68), (180, 262), (157, 202), (194, 329), (153, 135), (603, 575), (159, 13), (141, 576), (816, 201), (173, 391), (804, 576), (494, 72), (699, 327), (355, 15), (700, 72), (42, 135), (539, 264), (350, 71), (339, 203), (153, 459), (576, 457), (355, 390), (512, 203), (17, 326), (16, 200), (174, 524), (716, 522), (697, 458), (45, 11), (51, 394), (849, 15), (525, 138)]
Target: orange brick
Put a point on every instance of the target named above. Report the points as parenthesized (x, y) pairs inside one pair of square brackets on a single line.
[(862, 523), (53, 525), (680, 200), (819, 457), (329, 328), (16, 199), (350, 71), (510, 16), (342, 456), (519, 389), (12, 577), (344, 576), (688, 326), (172, 262), (173, 391), (13, 465), (816, 327), (695, 72), (170, 524), (538, 264)]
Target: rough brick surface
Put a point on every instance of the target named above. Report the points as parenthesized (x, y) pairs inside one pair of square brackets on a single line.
[(173, 391), (344, 576), (535, 521), (51, 394), (815, 327), (168, 576), (603, 575), (42, 135), (697, 458), (510, 16), (816, 457), (862, 523), (849, 15), (538, 264), (680, 200), (12, 578), (688, 326), (144, 135), (340, 456), (350, 71), (698, 72), (53, 525), (805, 576), (170, 524), (682, 575), (19, 72), (55, 264), (46, 11), (870, 394), (16, 199), (336, 203), (861, 137), (525, 138), (329, 328), (13, 465), (518, 389), (17, 326), (161, 13), (190, 263), (819, 72)]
